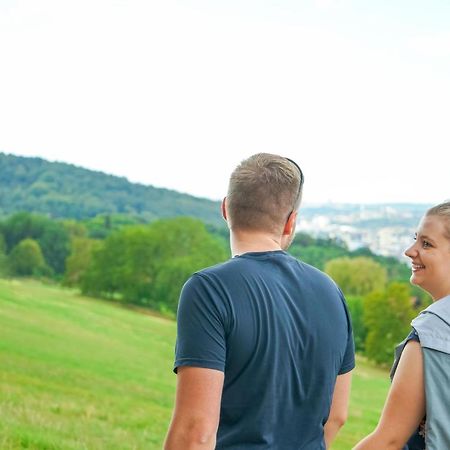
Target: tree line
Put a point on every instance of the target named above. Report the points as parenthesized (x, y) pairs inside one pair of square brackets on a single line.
[(143, 264), (65, 191), (146, 264)]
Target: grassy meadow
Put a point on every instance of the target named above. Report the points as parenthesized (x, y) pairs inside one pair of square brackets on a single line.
[(78, 373)]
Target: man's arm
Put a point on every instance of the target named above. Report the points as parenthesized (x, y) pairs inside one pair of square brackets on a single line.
[(339, 407), (405, 405), (197, 409)]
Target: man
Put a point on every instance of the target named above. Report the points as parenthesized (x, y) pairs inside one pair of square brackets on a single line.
[(264, 348)]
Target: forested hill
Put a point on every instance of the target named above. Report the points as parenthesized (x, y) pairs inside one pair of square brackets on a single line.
[(63, 190)]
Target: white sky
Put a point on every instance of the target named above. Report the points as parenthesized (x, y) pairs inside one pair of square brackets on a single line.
[(176, 93)]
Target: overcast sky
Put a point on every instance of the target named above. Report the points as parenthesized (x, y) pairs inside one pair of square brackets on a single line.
[(176, 93)]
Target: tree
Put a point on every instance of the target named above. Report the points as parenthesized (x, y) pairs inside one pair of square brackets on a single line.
[(74, 228), (105, 273), (186, 247), (357, 276), (387, 317), (26, 259), (79, 259), (21, 226), (3, 257), (148, 264), (316, 251), (52, 236), (55, 244), (169, 281), (356, 309)]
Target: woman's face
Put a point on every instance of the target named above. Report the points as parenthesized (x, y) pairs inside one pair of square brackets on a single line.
[(430, 257)]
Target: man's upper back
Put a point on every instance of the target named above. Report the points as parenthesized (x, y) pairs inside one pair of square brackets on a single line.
[(280, 331)]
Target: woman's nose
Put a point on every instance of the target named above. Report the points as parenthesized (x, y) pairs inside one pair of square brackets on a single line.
[(411, 251)]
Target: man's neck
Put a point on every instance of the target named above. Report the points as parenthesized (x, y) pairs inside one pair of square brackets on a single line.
[(253, 241)]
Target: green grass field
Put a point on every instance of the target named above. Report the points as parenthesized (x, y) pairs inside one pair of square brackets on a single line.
[(78, 373)]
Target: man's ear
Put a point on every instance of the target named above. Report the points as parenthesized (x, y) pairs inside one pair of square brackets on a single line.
[(224, 209), (289, 226)]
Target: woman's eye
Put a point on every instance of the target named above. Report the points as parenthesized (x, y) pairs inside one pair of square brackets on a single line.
[(426, 244)]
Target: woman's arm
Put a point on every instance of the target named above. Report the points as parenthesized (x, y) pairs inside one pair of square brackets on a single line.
[(405, 404)]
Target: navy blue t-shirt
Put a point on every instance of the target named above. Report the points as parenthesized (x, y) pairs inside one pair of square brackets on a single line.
[(281, 332)]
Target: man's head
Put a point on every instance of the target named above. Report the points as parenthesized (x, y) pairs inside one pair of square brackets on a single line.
[(264, 190)]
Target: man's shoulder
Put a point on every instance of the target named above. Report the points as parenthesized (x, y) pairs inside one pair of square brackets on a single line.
[(239, 263), (235, 268), (215, 269), (208, 274)]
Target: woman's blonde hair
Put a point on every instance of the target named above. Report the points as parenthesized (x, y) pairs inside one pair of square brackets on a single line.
[(263, 190), (441, 210)]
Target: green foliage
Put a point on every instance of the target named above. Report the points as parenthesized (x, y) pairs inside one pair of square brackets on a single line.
[(357, 276), (79, 259), (101, 226), (21, 226), (148, 264), (356, 308), (221, 232), (26, 259), (172, 275), (66, 191), (74, 228), (55, 244), (387, 317), (396, 270), (104, 275), (316, 251), (422, 299), (3, 257), (305, 240), (52, 236)]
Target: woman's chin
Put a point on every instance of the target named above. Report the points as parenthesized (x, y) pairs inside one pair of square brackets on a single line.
[(414, 280)]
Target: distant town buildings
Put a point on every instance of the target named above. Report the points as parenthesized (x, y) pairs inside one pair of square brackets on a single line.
[(385, 229)]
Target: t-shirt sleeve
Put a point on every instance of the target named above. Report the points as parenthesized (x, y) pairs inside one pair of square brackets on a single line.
[(200, 328), (413, 336), (348, 362)]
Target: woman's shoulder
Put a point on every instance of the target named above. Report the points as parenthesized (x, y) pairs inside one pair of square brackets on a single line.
[(433, 329)]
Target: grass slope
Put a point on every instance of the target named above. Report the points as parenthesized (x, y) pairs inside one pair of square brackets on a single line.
[(83, 374)]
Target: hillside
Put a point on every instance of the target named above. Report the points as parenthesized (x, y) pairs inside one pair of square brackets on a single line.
[(63, 190), (80, 373)]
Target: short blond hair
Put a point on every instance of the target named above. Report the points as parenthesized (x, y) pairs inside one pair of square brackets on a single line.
[(263, 190), (441, 210)]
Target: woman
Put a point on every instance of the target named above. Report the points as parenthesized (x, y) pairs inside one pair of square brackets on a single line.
[(417, 410)]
